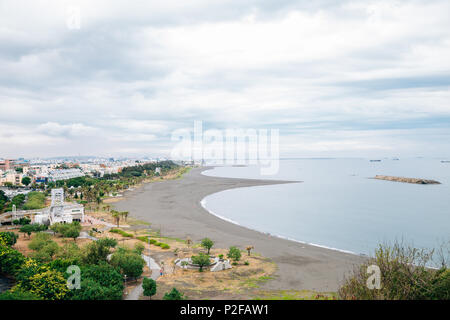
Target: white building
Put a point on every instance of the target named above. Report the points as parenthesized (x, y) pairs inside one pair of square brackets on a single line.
[(64, 174), (58, 212)]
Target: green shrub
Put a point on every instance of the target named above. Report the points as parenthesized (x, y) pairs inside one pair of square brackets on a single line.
[(48, 285), (121, 232), (10, 260), (405, 275), (97, 251), (164, 246), (10, 238), (22, 221), (128, 262), (99, 282), (173, 295), (234, 253), (18, 295), (143, 238), (67, 230), (44, 247)]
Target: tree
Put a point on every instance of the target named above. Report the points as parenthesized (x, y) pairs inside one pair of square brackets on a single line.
[(11, 260), (47, 252), (67, 230), (48, 285), (234, 253), (45, 248), (173, 295), (39, 241), (98, 251), (26, 181), (129, 263), (99, 282), (149, 286), (202, 260), (73, 231), (139, 248), (116, 215), (207, 244), (27, 229)]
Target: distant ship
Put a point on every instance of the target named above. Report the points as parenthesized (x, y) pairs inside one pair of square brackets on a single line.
[(395, 159), (445, 161), (375, 160)]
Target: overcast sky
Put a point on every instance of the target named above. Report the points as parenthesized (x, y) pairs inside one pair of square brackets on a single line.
[(337, 78)]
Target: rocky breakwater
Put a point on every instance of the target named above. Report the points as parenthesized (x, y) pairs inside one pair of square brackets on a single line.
[(406, 180)]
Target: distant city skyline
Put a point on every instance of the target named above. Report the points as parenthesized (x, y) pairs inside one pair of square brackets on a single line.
[(336, 78)]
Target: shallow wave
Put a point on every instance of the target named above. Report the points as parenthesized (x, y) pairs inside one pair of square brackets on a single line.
[(203, 204)]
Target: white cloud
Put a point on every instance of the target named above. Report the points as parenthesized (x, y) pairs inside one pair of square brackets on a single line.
[(68, 130), (136, 71)]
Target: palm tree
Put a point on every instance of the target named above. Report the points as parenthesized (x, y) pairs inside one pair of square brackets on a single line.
[(116, 215)]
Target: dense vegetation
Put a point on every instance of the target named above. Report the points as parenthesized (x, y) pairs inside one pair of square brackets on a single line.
[(405, 275), (94, 189), (33, 200), (43, 276), (87, 189)]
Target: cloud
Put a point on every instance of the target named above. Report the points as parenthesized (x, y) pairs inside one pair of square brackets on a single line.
[(68, 130), (134, 72)]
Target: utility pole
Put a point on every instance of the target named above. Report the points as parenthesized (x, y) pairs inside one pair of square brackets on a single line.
[(149, 244)]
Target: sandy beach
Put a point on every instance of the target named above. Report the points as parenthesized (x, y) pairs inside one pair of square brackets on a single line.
[(173, 206)]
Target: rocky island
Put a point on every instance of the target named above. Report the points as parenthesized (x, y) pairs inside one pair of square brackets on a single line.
[(406, 180)]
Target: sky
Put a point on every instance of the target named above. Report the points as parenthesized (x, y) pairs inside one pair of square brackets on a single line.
[(336, 78)]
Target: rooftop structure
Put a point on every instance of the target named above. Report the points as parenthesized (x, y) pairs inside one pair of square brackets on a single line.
[(64, 174)]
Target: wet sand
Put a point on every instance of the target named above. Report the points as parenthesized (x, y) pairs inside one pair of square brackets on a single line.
[(173, 206)]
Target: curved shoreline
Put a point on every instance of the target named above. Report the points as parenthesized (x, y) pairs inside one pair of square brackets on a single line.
[(202, 202), (174, 207)]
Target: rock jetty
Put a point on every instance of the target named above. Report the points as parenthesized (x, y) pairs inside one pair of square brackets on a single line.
[(407, 180)]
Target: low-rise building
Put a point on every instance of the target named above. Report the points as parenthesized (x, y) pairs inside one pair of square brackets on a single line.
[(58, 212)]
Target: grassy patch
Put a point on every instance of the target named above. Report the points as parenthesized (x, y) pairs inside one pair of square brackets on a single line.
[(255, 282), (121, 232), (35, 200), (295, 295), (137, 222), (182, 171)]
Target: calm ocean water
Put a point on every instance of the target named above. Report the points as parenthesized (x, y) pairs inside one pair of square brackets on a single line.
[(338, 206)]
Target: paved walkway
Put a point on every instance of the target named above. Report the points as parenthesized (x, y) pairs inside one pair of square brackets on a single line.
[(138, 290), (152, 265)]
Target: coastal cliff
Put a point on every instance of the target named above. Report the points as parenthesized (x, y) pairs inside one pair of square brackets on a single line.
[(406, 180)]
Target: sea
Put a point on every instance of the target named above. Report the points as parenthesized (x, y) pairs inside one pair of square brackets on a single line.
[(339, 205)]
